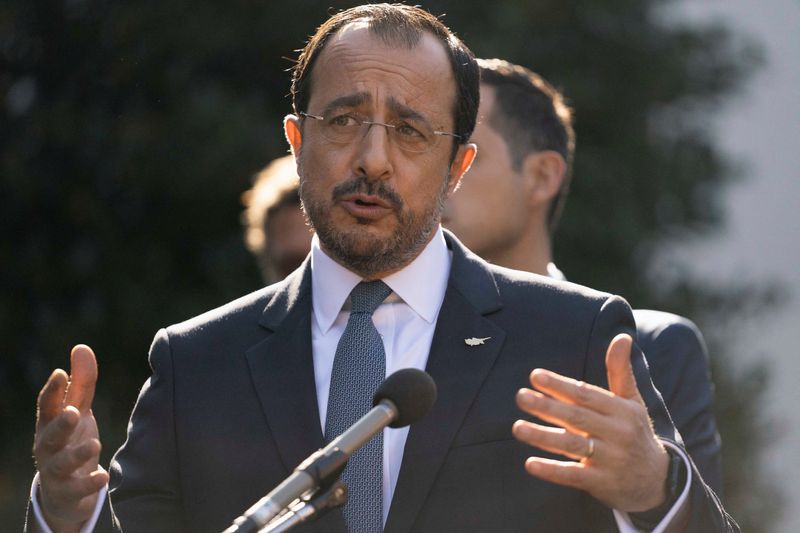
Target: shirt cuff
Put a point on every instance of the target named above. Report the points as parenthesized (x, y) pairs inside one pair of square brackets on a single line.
[(624, 522), (88, 526)]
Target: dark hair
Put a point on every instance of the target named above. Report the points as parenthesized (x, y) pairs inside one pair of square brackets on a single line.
[(532, 116), (398, 25)]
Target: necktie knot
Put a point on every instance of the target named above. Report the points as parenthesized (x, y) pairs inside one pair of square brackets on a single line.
[(368, 295)]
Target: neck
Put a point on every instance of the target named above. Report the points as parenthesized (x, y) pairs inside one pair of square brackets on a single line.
[(530, 253)]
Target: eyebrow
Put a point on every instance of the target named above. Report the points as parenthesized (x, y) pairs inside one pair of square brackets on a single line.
[(405, 112), (350, 100), (361, 98)]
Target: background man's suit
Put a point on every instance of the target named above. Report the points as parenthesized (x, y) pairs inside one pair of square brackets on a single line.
[(678, 362), (231, 409)]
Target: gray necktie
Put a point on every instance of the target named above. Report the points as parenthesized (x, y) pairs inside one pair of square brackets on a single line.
[(359, 367)]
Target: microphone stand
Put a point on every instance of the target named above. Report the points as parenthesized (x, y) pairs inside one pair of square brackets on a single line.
[(319, 469), (322, 501), (412, 390)]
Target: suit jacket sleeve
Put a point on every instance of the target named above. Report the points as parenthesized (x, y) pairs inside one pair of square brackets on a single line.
[(144, 489), (678, 361)]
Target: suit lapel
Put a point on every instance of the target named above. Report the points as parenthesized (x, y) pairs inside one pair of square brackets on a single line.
[(459, 370), (282, 370)]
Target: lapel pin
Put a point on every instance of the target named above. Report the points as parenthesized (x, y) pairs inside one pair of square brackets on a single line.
[(474, 341)]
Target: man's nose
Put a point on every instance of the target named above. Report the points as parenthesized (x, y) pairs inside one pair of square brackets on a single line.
[(374, 153)]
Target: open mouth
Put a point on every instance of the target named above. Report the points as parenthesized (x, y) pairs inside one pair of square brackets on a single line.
[(366, 206)]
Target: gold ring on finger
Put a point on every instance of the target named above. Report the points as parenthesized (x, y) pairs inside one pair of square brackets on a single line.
[(590, 450)]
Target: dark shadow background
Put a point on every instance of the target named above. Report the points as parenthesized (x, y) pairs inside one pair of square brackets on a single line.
[(130, 129)]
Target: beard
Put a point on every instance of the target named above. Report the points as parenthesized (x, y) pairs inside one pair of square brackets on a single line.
[(369, 255)]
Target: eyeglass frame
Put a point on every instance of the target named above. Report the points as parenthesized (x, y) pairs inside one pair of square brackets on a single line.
[(392, 126)]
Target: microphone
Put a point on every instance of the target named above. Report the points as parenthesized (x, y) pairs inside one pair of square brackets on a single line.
[(402, 399)]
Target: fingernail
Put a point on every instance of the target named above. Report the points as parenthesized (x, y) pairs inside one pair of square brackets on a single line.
[(541, 378), (525, 397), (533, 466), (521, 430)]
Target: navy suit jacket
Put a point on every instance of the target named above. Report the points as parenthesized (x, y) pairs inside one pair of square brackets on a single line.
[(679, 366), (231, 409)]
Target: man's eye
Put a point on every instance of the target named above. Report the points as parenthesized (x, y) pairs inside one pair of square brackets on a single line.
[(342, 121), (406, 130)]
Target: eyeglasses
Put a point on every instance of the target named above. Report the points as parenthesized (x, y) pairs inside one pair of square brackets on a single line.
[(409, 135)]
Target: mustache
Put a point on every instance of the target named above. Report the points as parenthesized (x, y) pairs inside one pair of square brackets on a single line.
[(372, 188)]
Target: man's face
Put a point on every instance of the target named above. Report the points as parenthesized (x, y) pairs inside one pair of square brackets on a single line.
[(490, 211), (373, 205), (288, 240)]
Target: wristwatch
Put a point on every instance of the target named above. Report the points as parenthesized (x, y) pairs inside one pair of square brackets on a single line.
[(676, 479)]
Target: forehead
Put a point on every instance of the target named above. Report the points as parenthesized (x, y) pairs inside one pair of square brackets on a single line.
[(356, 62), (483, 127), (487, 102), (491, 142)]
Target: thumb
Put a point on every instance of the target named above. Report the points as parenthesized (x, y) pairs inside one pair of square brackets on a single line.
[(83, 377), (618, 366)]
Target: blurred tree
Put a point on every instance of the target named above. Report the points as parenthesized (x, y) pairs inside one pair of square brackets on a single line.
[(129, 130)]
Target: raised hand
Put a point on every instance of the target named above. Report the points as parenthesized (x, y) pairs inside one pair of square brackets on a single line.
[(66, 446), (621, 461)]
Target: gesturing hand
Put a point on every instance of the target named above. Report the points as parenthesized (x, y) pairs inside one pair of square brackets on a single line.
[(66, 446), (622, 463)]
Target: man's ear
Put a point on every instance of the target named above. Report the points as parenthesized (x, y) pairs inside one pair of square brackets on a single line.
[(545, 172), (291, 128), (464, 157)]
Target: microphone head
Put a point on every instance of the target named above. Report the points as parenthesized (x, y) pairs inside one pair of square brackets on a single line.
[(412, 391)]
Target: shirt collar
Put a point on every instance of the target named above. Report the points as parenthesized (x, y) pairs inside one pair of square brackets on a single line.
[(421, 284), (554, 272)]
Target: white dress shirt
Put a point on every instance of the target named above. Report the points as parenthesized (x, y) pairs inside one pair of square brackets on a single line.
[(405, 322)]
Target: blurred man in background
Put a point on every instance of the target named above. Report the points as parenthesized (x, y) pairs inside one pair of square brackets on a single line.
[(275, 230), (508, 207)]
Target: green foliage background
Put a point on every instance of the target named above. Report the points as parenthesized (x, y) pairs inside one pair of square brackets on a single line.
[(130, 129)]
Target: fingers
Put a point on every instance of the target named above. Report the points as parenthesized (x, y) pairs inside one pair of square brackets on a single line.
[(53, 436), (608, 431), (49, 402), (567, 473), (76, 390), (65, 496), (554, 440), (573, 417), (618, 367), (79, 488), (573, 391), (63, 464), (83, 377)]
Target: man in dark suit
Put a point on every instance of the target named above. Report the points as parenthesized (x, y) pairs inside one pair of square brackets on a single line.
[(506, 211), (385, 99)]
